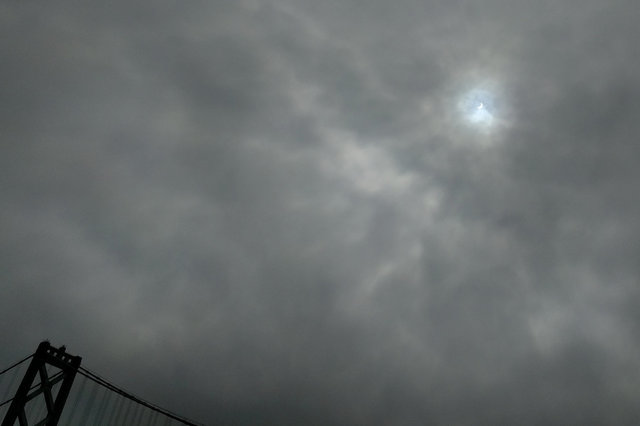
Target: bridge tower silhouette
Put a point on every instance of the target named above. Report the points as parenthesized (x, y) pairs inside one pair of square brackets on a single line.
[(46, 388), (45, 355)]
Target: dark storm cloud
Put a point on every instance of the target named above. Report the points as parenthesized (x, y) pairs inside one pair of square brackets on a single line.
[(272, 212)]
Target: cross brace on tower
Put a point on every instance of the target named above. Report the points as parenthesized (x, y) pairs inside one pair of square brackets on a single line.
[(45, 355)]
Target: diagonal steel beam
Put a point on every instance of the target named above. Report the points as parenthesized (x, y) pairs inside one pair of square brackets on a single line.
[(45, 355)]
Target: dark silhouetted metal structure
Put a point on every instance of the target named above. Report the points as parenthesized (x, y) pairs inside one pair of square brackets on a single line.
[(45, 360), (47, 385)]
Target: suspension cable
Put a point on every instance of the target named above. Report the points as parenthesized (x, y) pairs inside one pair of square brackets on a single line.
[(103, 382), (15, 365), (55, 376)]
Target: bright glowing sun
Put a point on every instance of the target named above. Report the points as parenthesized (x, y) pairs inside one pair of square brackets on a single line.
[(478, 107)]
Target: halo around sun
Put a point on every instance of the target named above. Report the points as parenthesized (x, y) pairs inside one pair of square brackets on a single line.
[(478, 107)]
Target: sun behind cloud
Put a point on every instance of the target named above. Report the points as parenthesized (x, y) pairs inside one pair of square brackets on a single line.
[(481, 110), (478, 107)]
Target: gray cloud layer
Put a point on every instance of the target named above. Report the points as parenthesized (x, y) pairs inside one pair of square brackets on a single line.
[(271, 212)]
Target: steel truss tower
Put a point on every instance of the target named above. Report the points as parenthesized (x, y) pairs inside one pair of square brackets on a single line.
[(67, 366)]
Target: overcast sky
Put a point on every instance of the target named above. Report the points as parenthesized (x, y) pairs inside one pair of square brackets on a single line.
[(325, 212)]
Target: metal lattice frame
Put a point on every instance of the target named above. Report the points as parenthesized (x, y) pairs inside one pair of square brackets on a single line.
[(45, 355)]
